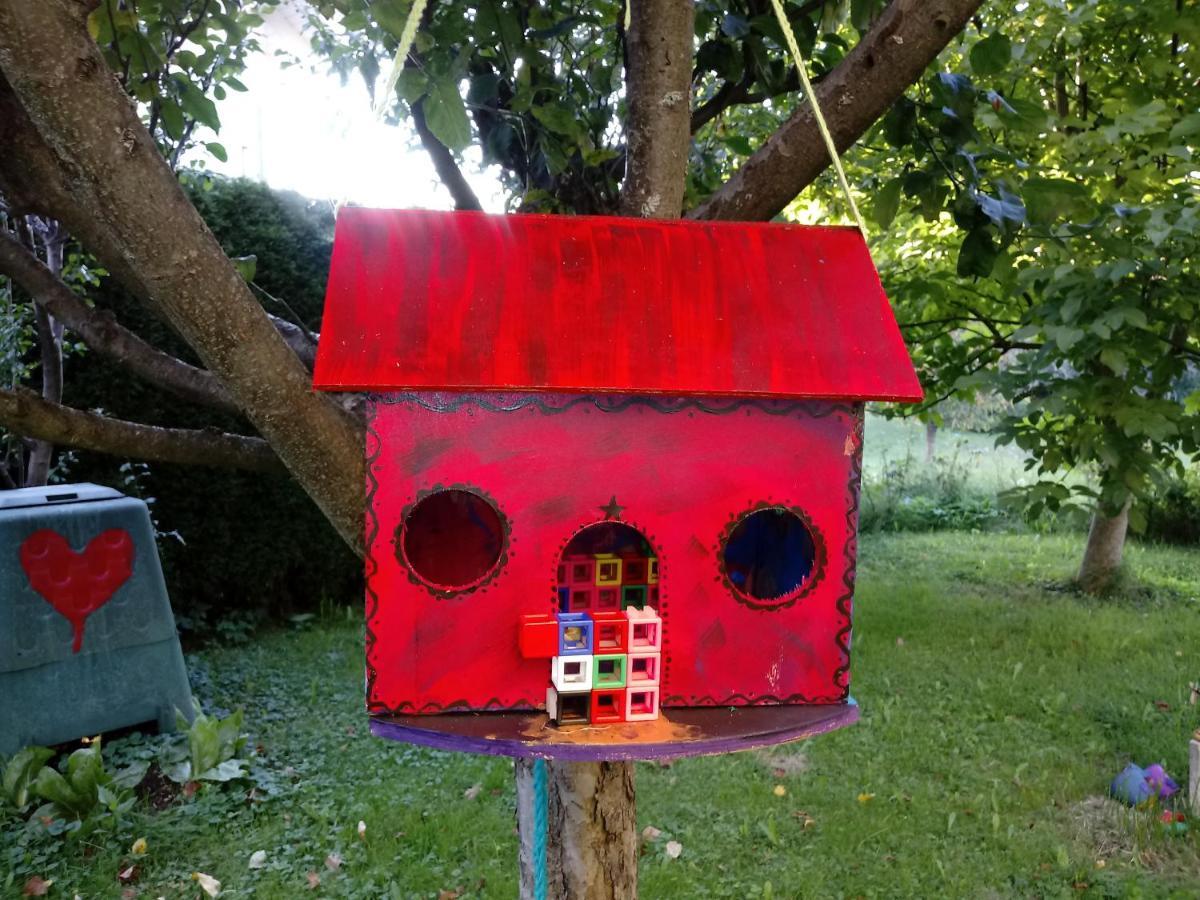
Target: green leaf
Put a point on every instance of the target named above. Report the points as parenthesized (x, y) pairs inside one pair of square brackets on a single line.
[(738, 143), (228, 770), (887, 202), (557, 118), (1049, 199), (217, 150), (977, 255), (172, 119), (52, 786), (1115, 360), (246, 266), (899, 125), (446, 115), (21, 771), (991, 55)]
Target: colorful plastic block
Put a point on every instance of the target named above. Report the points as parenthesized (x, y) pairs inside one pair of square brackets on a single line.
[(652, 571), (610, 632), (608, 599), (564, 599), (609, 671), (574, 634), (645, 630), (571, 674), (641, 704), (633, 595), (567, 709), (608, 707), (580, 599), (644, 670), (634, 570), (538, 636), (608, 569), (581, 569)]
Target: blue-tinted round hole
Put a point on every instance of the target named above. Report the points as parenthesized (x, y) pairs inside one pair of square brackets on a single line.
[(769, 554)]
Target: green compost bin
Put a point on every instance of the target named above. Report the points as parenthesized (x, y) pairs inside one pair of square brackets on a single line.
[(87, 637)]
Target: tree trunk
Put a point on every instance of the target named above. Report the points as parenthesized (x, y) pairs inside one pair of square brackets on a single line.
[(50, 335), (592, 842), (861, 88), (591, 848), (1102, 555), (931, 431), (127, 207), (658, 130)]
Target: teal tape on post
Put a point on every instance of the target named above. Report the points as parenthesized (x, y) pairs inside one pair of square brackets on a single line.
[(540, 805)]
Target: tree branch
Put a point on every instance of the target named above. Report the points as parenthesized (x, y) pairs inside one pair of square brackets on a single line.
[(129, 209), (101, 332), (24, 412), (658, 82), (443, 161), (892, 55)]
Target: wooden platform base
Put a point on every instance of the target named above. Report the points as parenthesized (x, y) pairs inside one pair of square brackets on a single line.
[(678, 732)]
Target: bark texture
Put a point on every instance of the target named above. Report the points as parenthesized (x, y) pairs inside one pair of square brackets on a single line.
[(658, 73), (24, 412), (50, 335), (1102, 555), (131, 212), (101, 332), (592, 819), (890, 57)]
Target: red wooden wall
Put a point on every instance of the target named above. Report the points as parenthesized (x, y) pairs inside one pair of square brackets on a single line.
[(682, 469)]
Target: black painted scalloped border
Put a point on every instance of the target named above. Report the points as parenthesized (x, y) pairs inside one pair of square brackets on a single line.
[(441, 592)]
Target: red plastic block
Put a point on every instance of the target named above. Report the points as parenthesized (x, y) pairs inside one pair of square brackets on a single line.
[(538, 636), (611, 632), (608, 707)]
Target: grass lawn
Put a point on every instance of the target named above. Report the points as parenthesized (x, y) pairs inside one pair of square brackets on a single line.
[(996, 708)]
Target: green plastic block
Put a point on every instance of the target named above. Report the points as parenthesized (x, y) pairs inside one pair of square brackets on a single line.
[(609, 671), (92, 550)]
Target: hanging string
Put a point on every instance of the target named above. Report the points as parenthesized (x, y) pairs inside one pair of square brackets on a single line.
[(383, 100), (540, 804), (407, 36), (798, 58)]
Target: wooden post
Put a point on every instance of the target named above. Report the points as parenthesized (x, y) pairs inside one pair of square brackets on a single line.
[(591, 845), (1194, 773)]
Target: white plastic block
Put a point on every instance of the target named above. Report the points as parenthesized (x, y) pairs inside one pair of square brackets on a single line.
[(645, 670), (645, 630), (571, 674), (641, 704)]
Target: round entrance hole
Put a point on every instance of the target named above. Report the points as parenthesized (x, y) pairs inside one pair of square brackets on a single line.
[(769, 554), (452, 539)]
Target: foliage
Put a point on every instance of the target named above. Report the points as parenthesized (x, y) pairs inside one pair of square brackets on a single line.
[(1041, 204), (212, 750), (539, 88), (80, 798), (177, 59), (996, 708), (277, 553), (1173, 510)]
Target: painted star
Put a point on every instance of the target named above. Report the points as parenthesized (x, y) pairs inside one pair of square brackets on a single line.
[(612, 510)]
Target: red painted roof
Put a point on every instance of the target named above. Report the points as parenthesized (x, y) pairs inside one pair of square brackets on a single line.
[(421, 300)]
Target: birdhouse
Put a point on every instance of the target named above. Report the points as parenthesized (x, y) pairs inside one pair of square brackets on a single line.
[(612, 474)]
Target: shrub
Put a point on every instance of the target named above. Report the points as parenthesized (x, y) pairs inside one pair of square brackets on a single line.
[(1173, 510), (230, 541)]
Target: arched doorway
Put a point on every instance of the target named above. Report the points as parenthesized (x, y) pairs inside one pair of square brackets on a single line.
[(607, 567)]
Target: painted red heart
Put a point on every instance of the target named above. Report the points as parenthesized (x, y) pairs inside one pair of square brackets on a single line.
[(77, 584)]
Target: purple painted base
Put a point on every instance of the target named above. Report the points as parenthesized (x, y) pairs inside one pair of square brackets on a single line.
[(681, 732)]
